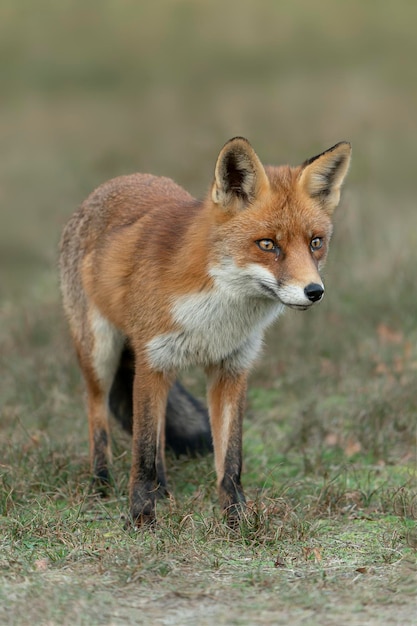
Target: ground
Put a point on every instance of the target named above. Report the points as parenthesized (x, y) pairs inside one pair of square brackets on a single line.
[(90, 92)]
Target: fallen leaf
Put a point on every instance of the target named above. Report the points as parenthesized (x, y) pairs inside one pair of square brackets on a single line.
[(331, 439), (41, 565), (388, 335), (381, 368), (34, 442), (317, 555), (312, 552), (352, 447)]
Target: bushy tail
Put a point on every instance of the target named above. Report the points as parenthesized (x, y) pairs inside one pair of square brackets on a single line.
[(187, 421)]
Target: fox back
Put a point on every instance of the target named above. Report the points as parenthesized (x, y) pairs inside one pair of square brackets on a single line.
[(184, 282)]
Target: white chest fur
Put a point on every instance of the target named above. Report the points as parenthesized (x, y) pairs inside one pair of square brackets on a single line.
[(226, 323)]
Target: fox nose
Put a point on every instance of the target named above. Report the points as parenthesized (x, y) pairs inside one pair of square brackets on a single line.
[(314, 292)]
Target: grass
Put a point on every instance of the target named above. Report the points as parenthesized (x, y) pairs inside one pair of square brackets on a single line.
[(329, 441)]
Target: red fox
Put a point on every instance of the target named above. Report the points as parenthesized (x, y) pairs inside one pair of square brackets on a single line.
[(180, 282)]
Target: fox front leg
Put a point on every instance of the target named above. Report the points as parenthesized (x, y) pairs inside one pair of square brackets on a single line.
[(147, 476), (226, 396)]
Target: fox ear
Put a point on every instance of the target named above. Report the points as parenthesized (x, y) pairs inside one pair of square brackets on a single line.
[(239, 175), (322, 176)]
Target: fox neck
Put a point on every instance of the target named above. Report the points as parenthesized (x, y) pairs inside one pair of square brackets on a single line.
[(214, 326)]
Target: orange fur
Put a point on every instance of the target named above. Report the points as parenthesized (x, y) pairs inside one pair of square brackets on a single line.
[(189, 282)]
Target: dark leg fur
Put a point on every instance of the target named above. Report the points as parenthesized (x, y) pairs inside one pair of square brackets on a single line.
[(101, 475), (232, 498), (144, 474), (187, 421)]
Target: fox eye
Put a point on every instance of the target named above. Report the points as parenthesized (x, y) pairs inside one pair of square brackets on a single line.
[(267, 245), (316, 243)]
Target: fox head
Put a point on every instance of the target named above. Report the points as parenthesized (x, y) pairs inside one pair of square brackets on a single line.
[(275, 223)]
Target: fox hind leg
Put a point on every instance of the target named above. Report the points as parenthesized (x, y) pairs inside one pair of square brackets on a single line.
[(99, 361)]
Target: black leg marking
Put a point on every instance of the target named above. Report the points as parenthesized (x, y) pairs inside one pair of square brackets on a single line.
[(144, 486), (101, 474), (232, 498)]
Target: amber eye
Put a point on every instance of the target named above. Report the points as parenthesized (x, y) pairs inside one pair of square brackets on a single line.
[(316, 243), (267, 245)]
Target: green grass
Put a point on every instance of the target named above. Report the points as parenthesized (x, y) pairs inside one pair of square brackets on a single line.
[(90, 91)]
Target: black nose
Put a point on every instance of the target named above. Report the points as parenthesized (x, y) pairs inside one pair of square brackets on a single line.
[(314, 292)]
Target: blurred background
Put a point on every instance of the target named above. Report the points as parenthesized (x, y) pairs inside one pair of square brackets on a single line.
[(93, 89)]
